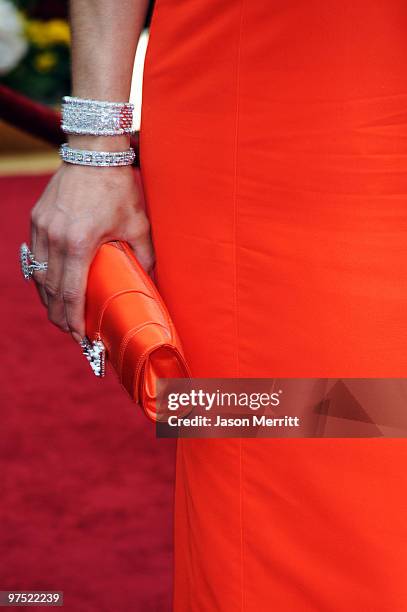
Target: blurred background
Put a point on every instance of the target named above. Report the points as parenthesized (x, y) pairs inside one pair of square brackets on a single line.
[(35, 62), (86, 488)]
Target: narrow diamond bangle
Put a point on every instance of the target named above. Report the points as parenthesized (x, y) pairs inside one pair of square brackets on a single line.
[(96, 158), (96, 117)]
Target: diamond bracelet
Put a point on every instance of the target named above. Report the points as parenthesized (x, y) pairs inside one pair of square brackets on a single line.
[(96, 117), (96, 158)]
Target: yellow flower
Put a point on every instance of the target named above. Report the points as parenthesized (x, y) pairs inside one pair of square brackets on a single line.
[(58, 32), (47, 33), (45, 61), (34, 31)]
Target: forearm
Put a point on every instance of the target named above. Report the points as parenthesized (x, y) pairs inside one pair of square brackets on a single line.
[(83, 206), (105, 34)]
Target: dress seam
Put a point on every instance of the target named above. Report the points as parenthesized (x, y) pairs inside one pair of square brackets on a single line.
[(235, 219), (235, 213), (241, 524)]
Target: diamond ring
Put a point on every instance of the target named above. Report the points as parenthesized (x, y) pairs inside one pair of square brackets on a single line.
[(29, 263)]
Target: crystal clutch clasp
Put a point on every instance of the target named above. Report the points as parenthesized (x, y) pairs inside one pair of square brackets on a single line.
[(95, 353)]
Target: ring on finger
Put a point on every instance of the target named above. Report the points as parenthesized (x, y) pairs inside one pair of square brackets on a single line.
[(29, 264)]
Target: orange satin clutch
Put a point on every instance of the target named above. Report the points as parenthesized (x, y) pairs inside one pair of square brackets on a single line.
[(128, 323)]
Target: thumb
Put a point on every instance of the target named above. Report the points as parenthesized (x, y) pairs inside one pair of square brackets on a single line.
[(144, 251)]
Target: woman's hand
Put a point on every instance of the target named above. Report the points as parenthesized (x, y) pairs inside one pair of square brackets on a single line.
[(80, 209)]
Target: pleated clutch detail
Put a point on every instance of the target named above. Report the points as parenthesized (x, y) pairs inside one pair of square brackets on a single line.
[(128, 324)]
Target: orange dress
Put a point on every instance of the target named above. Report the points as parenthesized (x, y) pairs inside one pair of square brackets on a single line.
[(274, 161)]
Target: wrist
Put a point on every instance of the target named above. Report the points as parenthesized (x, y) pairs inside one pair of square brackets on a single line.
[(99, 143)]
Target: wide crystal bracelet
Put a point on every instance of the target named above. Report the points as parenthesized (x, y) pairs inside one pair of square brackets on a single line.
[(96, 117), (96, 158)]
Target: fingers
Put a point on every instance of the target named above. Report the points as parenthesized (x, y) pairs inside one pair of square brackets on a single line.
[(38, 241), (74, 283), (33, 231), (53, 281), (142, 245), (62, 287)]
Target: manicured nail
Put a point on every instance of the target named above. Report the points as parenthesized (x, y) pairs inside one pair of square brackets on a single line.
[(76, 337)]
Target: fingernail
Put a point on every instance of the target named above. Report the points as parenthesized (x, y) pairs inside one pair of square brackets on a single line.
[(77, 337)]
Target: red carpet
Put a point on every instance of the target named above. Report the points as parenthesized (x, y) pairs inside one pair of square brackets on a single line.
[(86, 488)]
